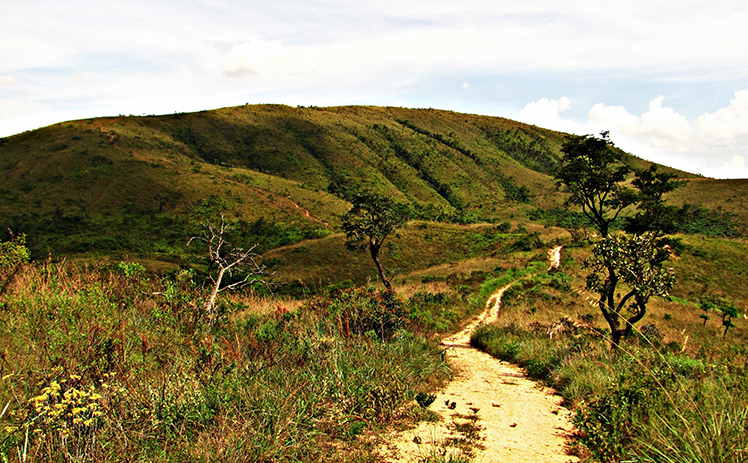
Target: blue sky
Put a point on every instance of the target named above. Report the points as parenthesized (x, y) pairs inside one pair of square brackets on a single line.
[(669, 79)]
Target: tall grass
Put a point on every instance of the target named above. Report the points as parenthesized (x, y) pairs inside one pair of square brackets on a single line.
[(638, 403), (271, 380)]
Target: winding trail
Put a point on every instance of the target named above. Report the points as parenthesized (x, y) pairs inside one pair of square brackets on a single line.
[(510, 418)]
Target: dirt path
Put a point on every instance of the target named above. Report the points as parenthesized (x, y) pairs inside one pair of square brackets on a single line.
[(490, 411)]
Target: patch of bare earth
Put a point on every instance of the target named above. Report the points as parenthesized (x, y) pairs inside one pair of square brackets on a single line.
[(491, 412)]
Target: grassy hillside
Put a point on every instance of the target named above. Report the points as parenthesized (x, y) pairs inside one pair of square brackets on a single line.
[(138, 187)]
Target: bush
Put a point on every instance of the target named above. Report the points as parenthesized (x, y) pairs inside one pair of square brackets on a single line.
[(358, 311)]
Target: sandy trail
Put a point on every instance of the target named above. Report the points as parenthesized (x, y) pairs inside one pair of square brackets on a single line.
[(519, 421)]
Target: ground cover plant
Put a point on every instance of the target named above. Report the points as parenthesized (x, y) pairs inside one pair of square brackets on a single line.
[(111, 364)]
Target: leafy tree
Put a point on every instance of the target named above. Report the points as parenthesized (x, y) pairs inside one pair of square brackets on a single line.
[(591, 173), (654, 214), (727, 311), (595, 178), (369, 222), (635, 261)]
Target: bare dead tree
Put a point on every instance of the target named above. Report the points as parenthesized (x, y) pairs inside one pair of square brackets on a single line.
[(231, 260)]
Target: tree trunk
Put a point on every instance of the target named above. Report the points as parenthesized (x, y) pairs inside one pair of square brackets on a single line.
[(615, 338), (214, 291), (375, 256)]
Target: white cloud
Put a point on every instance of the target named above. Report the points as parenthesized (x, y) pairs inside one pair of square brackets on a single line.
[(663, 125), (736, 167), (714, 144), (730, 122), (465, 85), (546, 113)]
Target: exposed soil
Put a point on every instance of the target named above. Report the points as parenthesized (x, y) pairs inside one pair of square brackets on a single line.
[(490, 411)]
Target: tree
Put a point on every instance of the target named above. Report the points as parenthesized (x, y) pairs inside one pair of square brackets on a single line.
[(239, 264), (369, 222), (654, 214), (728, 311), (595, 178), (635, 261)]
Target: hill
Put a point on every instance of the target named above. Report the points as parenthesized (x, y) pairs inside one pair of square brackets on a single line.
[(140, 186)]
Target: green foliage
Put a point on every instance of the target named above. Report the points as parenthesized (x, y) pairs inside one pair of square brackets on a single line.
[(358, 311), (532, 151), (654, 215), (559, 217), (639, 404), (694, 219), (534, 290), (13, 252), (635, 261), (430, 312), (371, 219), (526, 241), (514, 192), (727, 311), (131, 269), (593, 175)]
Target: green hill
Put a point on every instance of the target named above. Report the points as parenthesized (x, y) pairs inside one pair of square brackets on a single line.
[(140, 186)]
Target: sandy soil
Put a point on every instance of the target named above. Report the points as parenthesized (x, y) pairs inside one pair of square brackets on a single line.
[(507, 417)]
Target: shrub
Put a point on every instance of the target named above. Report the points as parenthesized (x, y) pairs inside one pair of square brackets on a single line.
[(358, 311)]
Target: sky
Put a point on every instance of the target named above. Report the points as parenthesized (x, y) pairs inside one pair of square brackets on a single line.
[(668, 79)]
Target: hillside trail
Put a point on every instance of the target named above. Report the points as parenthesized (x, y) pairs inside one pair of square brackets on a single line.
[(490, 411)]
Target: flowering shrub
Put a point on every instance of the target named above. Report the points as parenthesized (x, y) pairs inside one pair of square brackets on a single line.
[(63, 420)]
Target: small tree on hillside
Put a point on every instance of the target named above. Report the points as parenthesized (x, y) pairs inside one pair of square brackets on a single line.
[(229, 260), (635, 261), (369, 222), (595, 178)]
